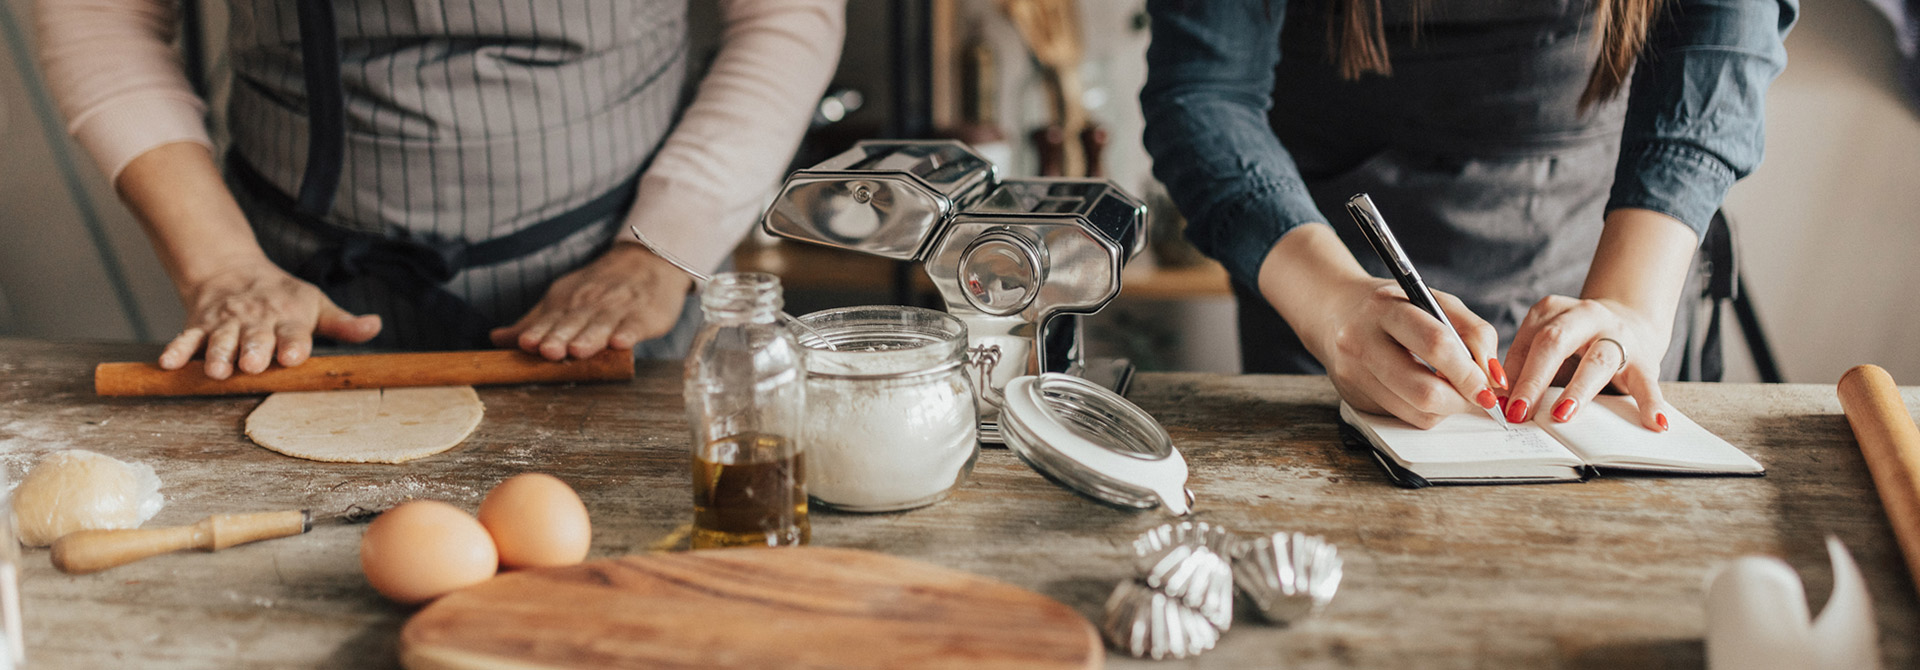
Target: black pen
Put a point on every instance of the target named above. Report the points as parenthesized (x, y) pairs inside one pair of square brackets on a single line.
[(1374, 228)]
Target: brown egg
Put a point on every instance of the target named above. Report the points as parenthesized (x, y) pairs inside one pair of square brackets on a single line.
[(423, 549), (537, 521)]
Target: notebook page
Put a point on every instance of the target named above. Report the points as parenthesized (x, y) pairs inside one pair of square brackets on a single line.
[(1461, 438), (1607, 433)]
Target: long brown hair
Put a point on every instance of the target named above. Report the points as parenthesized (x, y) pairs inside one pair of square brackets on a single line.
[(1357, 37)]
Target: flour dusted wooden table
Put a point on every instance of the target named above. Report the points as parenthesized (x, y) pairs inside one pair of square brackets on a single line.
[(1606, 574)]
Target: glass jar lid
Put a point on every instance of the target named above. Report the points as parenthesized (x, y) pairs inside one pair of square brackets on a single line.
[(1094, 441), (881, 342)]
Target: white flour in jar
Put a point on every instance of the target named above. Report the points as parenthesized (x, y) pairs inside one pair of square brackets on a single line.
[(887, 444)]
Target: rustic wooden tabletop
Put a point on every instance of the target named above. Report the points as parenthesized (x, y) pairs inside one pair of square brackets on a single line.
[(1606, 574)]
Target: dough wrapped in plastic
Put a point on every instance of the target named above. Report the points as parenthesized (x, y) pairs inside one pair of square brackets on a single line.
[(77, 489)]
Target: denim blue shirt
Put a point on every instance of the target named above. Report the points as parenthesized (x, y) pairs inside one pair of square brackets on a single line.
[(1693, 117)]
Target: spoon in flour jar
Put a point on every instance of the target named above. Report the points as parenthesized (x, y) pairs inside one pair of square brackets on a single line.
[(703, 277)]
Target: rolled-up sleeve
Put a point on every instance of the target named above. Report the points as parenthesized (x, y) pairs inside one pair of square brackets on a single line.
[(1209, 85), (1696, 105), (113, 69), (708, 180)]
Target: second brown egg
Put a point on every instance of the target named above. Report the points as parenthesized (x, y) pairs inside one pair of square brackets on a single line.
[(536, 520)]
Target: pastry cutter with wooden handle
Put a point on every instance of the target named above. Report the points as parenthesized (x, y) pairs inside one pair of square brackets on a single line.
[(85, 551)]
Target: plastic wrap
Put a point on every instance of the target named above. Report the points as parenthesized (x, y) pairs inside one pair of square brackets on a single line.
[(81, 490)]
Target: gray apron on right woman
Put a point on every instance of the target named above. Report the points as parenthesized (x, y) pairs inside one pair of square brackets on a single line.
[(1474, 148)]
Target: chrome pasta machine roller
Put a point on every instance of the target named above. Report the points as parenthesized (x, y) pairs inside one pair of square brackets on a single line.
[(1018, 260)]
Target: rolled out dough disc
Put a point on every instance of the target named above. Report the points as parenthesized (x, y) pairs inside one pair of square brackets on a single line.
[(366, 425)]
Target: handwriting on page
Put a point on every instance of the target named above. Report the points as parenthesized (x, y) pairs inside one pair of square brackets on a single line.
[(1470, 438), (1524, 441)]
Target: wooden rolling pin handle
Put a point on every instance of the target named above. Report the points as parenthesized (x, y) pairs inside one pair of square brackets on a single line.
[(87, 551), (1890, 443)]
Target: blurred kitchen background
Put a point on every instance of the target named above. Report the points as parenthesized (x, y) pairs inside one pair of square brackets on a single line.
[(1828, 230)]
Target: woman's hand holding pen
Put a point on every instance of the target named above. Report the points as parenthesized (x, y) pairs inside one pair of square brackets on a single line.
[(1374, 340), (1367, 334)]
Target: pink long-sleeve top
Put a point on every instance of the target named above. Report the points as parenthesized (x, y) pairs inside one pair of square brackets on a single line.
[(119, 81)]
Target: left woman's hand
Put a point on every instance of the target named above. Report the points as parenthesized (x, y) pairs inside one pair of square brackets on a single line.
[(1613, 343), (622, 298)]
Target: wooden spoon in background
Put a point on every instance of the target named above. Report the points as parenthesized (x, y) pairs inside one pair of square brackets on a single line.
[(1052, 33)]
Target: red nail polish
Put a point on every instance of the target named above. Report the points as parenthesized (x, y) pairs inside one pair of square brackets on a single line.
[(1497, 373), (1563, 412), (1503, 404), (1487, 399), (1517, 410), (1661, 418)]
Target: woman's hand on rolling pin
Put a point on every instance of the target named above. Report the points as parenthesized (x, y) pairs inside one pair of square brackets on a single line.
[(1603, 341), (625, 297), (247, 316)]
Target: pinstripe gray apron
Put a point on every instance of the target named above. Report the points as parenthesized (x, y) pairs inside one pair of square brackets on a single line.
[(1474, 149), (470, 152)]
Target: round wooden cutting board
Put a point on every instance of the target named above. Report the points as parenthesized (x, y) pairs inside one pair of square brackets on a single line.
[(803, 607)]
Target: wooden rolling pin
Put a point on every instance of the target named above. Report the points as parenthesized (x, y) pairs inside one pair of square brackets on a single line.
[(332, 373), (85, 551), (1891, 444)]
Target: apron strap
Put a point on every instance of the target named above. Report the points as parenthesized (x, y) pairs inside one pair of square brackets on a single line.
[(417, 267), (326, 106)]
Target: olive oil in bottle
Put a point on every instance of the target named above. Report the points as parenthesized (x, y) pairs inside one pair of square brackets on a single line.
[(745, 392), (749, 491)]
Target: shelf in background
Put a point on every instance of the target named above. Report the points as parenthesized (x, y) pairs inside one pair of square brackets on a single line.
[(810, 267)]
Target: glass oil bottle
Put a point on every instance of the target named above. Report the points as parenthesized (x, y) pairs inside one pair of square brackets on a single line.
[(745, 393)]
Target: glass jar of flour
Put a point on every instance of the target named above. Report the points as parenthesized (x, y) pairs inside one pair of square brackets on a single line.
[(890, 421)]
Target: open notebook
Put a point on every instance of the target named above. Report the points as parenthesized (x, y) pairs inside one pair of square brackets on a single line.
[(1472, 449)]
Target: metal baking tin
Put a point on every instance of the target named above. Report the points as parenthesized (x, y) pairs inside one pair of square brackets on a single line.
[(1287, 576), (1180, 599), (1147, 623), (1192, 561)]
